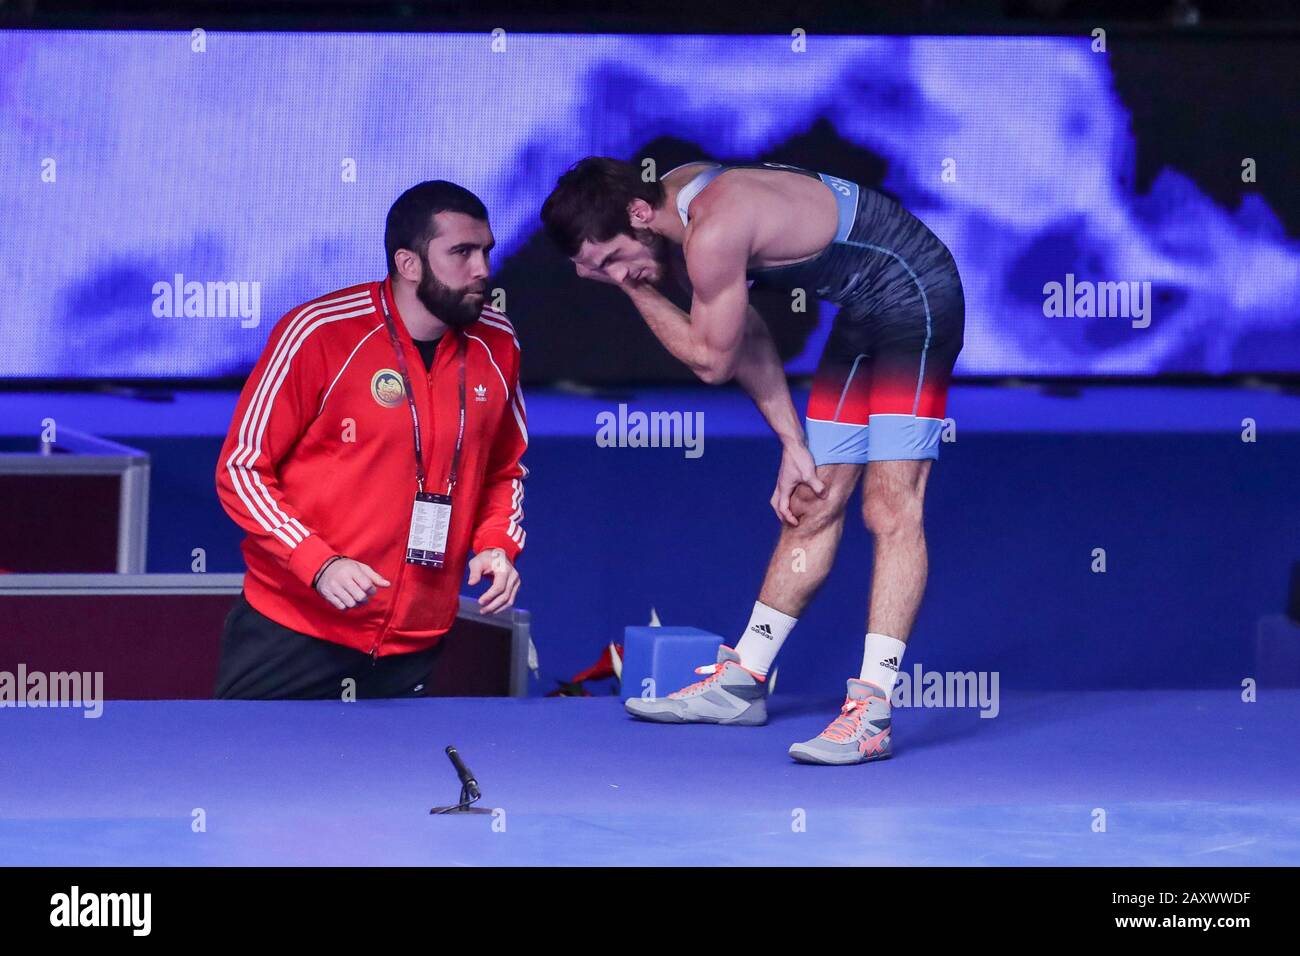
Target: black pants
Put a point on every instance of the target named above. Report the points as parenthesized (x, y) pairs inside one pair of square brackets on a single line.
[(264, 660)]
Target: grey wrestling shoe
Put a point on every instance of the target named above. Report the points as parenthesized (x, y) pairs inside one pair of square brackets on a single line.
[(859, 734), (729, 695)]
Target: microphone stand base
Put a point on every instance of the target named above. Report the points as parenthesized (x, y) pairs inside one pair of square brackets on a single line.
[(466, 805)]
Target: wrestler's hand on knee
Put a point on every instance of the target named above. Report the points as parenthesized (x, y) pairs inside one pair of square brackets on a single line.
[(346, 583), (797, 468)]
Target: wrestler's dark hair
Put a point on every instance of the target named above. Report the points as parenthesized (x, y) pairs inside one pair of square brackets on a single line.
[(410, 222), (589, 202)]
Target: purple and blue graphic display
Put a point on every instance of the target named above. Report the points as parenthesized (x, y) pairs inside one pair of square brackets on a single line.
[(167, 196)]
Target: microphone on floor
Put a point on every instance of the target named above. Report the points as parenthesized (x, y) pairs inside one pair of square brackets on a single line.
[(466, 778), (469, 790)]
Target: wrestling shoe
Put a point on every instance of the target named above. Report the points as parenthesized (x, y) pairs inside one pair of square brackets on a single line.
[(859, 734), (729, 695)]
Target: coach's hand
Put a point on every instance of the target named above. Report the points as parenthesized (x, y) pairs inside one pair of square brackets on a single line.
[(346, 583), (505, 580), (797, 468)]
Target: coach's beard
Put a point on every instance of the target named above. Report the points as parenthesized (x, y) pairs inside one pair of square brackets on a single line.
[(453, 307)]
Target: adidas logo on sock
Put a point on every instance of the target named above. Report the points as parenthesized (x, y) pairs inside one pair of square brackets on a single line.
[(891, 663), (763, 629)]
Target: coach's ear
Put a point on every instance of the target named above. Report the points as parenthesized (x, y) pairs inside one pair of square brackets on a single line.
[(409, 266)]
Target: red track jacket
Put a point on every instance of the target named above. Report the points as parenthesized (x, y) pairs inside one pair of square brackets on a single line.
[(320, 460)]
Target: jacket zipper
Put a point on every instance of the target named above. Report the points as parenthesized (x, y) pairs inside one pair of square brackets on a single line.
[(392, 608)]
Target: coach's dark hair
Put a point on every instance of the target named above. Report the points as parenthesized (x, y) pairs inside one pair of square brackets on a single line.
[(410, 222), (589, 202)]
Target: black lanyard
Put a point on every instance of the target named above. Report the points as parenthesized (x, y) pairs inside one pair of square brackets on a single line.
[(410, 400)]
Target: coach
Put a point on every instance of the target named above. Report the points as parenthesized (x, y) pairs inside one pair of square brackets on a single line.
[(376, 442)]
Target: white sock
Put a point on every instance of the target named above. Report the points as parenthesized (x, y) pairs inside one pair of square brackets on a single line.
[(881, 659), (768, 628)]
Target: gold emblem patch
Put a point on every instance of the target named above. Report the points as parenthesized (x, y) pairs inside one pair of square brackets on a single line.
[(386, 387)]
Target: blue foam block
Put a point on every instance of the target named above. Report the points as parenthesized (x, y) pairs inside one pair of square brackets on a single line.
[(666, 655)]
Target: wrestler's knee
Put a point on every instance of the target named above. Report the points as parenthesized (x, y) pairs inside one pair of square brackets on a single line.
[(894, 503), (816, 513)]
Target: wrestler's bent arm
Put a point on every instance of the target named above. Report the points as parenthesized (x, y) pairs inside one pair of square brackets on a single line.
[(708, 340)]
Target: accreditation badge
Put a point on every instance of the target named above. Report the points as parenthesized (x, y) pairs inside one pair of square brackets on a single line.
[(430, 522)]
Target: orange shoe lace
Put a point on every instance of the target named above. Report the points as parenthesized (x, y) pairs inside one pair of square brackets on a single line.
[(713, 670), (844, 726)]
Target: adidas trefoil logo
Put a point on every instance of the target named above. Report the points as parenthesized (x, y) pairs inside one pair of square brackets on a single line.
[(480, 393)]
